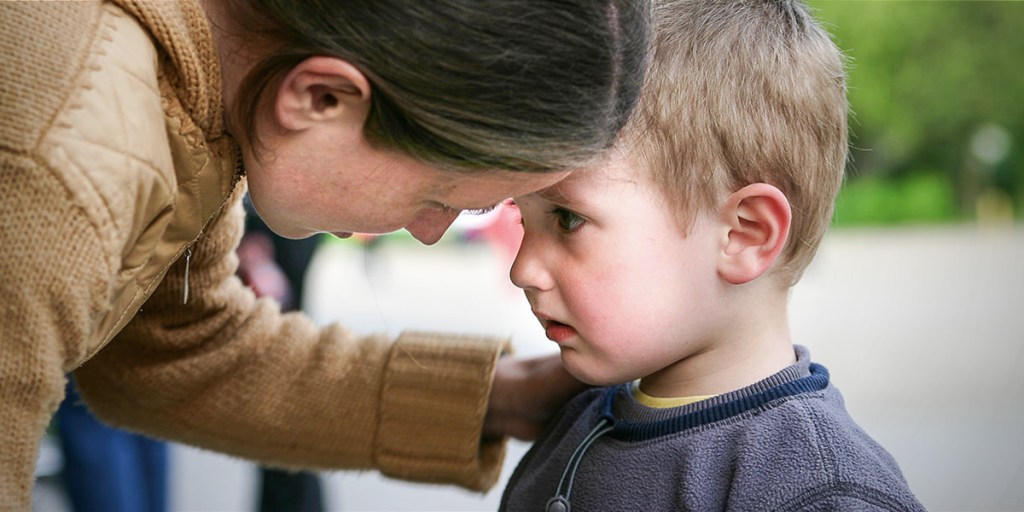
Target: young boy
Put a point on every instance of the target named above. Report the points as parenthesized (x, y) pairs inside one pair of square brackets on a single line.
[(668, 269)]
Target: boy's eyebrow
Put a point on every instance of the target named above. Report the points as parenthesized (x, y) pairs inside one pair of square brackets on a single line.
[(554, 194)]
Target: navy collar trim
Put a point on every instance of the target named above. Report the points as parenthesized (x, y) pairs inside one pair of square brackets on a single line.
[(634, 431)]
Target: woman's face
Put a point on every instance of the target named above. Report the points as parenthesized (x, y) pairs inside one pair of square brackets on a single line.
[(303, 187)]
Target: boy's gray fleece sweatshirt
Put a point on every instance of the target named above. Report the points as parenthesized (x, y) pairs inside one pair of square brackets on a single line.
[(785, 443)]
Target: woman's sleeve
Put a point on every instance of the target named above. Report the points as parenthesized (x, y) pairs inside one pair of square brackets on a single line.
[(55, 271), (230, 373)]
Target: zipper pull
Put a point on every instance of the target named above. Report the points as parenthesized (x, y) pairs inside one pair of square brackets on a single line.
[(188, 260)]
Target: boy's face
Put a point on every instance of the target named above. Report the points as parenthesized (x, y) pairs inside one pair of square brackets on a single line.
[(612, 279)]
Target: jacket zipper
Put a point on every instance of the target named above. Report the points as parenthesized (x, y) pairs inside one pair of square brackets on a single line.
[(188, 261), (235, 178)]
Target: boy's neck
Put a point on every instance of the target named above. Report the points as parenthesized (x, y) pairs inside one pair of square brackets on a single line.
[(754, 344)]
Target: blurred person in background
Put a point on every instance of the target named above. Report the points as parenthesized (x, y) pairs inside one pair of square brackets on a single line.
[(106, 469), (276, 267)]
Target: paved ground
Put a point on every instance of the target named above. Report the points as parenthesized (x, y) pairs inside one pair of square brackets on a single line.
[(922, 329)]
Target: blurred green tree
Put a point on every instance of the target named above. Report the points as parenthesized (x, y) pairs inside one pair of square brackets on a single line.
[(936, 89)]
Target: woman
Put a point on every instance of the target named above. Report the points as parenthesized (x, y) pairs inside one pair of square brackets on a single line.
[(128, 131)]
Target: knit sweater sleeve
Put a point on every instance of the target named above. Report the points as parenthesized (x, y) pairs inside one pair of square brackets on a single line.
[(54, 270), (231, 373)]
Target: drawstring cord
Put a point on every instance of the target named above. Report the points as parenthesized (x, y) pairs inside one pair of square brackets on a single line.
[(560, 501)]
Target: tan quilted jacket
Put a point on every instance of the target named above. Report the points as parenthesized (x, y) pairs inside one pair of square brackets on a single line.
[(119, 195)]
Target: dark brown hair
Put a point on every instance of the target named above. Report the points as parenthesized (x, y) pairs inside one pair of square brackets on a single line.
[(525, 85)]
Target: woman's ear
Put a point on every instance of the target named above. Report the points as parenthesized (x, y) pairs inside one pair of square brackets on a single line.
[(322, 89), (757, 219)]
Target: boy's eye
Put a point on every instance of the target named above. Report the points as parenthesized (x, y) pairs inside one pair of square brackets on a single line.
[(567, 220)]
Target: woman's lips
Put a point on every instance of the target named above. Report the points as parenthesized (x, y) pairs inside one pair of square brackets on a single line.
[(557, 331)]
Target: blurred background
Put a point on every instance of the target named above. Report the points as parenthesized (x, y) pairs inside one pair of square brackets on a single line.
[(936, 93), (915, 301)]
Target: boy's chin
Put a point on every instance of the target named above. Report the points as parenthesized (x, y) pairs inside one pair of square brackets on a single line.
[(586, 375)]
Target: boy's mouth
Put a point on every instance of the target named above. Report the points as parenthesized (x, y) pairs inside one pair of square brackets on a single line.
[(557, 331)]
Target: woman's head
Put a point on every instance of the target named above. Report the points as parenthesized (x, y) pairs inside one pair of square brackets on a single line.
[(522, 85), (353, 115)]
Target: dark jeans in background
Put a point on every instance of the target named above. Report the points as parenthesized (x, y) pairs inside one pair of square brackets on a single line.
[(106, 469)]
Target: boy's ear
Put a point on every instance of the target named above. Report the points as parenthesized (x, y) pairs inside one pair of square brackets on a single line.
[(757, 219), (322, 89)]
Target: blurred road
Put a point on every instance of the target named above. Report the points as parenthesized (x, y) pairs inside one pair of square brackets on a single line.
[(922, 330)]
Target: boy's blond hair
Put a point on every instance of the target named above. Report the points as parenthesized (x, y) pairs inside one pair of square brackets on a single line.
[(741, 92)]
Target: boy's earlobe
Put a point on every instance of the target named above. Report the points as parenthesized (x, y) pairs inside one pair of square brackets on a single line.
[(321, 89), (758, 217)]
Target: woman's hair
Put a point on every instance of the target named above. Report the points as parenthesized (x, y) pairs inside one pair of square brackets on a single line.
[(524, 85), (740, 93)]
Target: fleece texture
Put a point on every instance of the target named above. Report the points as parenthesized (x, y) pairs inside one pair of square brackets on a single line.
[(785, 443)]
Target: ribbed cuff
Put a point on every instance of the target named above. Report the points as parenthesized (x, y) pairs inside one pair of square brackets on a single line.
[(433, 401)]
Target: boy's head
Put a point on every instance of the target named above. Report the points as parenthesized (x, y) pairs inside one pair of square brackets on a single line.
[(741, 92), (726, 171)]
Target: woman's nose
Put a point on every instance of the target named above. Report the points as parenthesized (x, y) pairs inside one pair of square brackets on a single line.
[(430, 225)]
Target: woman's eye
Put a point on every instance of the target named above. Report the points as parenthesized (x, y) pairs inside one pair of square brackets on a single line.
[(567, 220)]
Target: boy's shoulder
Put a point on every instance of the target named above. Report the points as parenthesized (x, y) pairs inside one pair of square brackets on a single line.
[(802, 451), (811, 451)]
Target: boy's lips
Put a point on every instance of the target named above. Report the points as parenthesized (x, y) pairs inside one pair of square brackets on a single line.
[(558, 332), (554, 330)]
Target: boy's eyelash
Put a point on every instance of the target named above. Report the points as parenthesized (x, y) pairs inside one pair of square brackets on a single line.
[(563, 215), (559, 214)]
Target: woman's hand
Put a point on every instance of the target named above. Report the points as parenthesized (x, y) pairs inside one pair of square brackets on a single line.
[(526, 394)]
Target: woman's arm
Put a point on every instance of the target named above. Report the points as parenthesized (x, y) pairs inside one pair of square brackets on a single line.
[(231, 373)]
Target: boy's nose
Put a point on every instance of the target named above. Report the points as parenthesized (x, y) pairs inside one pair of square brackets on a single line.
[(527, 271), (430, 225)]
